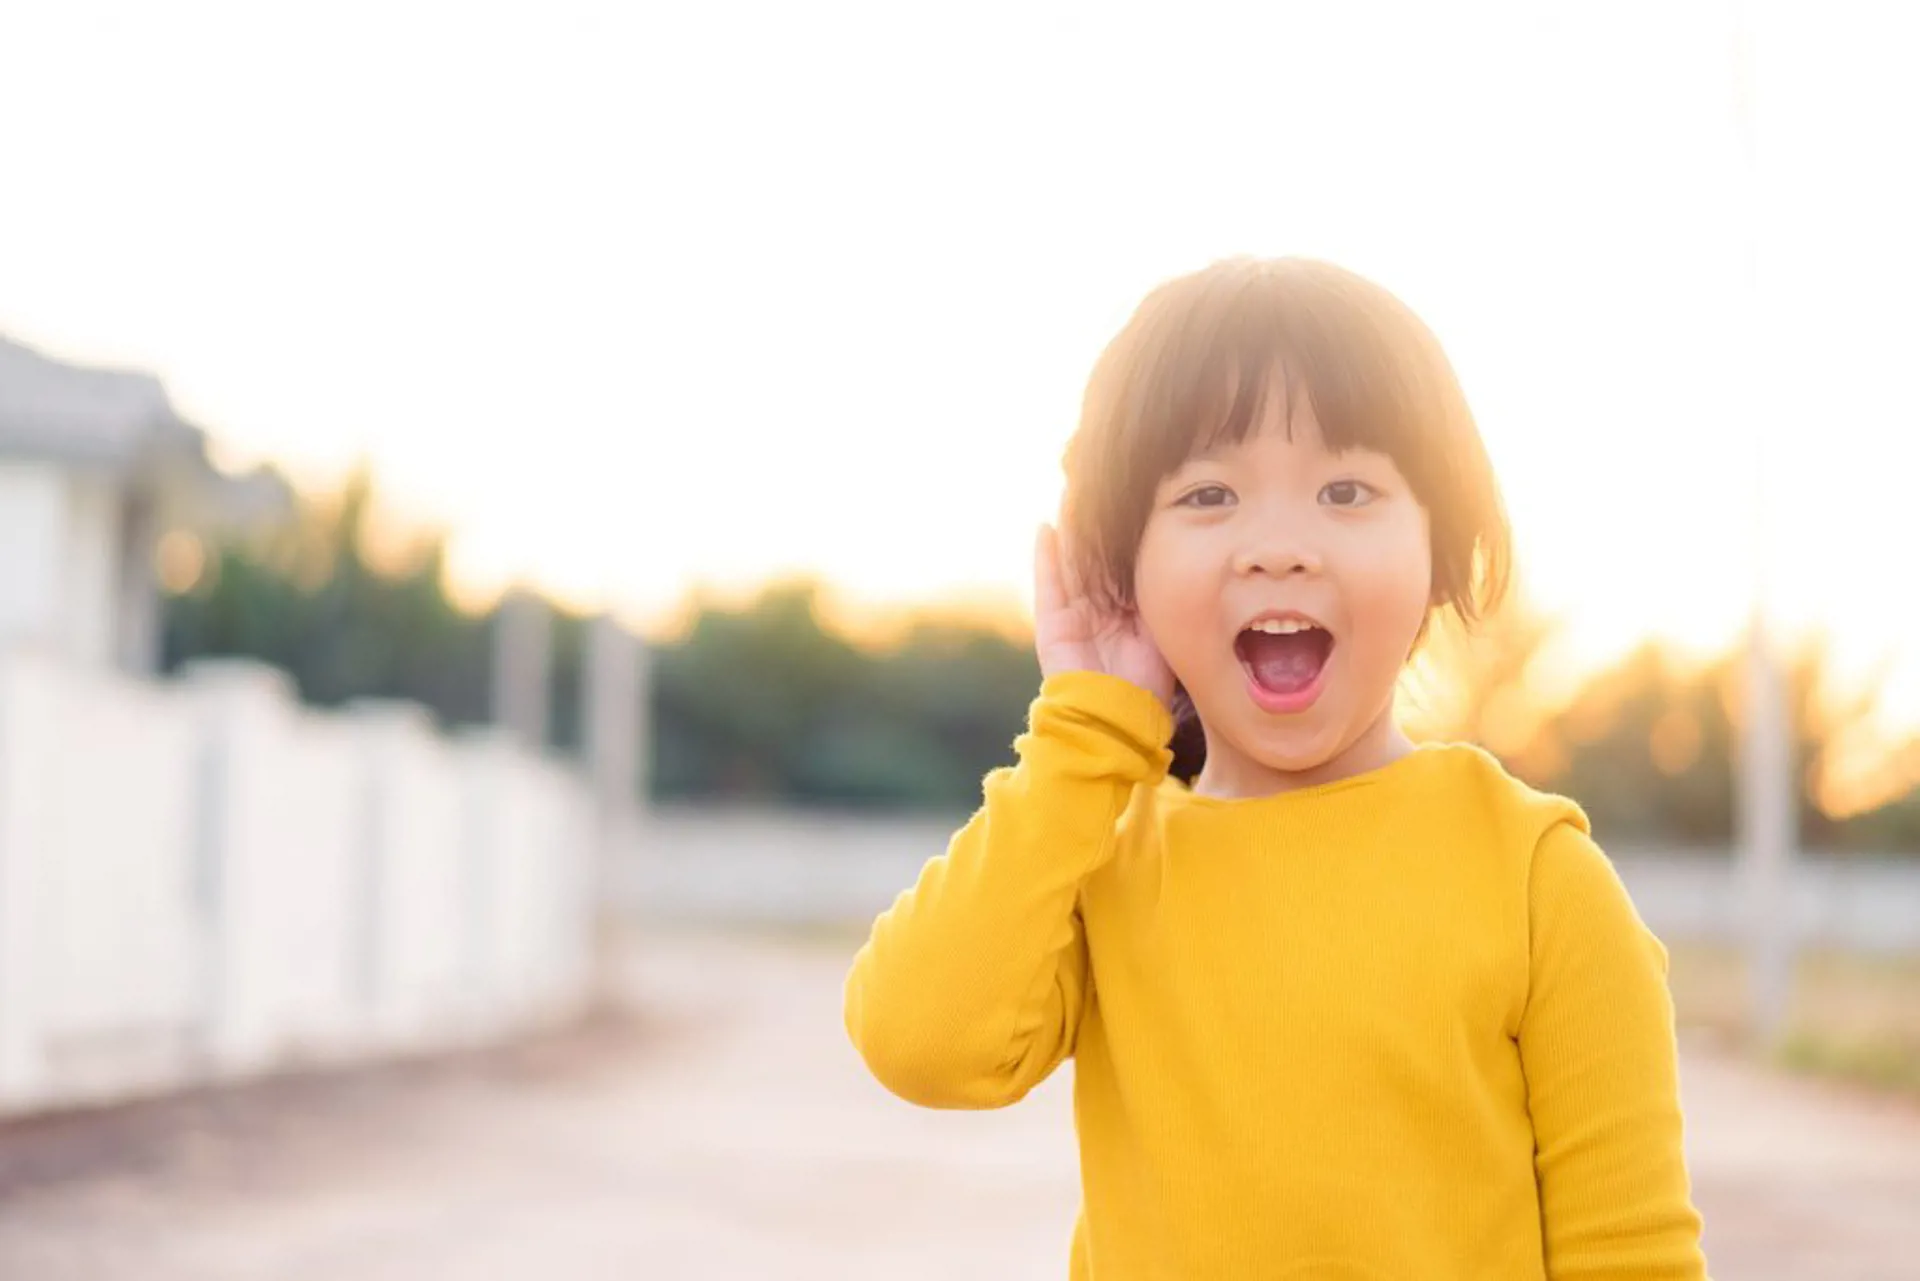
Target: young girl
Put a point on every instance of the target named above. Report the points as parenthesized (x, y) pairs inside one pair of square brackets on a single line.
[(1340, 1006)]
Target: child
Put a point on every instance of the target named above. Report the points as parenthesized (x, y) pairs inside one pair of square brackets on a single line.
[(1340, 1006)]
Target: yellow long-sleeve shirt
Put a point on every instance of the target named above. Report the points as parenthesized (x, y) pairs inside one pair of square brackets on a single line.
[(1405, 1025)]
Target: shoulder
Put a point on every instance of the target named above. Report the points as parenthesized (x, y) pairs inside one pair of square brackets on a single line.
[(1484, 796), (1548, 879), (1542, 840)]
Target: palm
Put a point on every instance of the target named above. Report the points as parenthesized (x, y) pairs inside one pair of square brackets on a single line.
[(1070, 634)]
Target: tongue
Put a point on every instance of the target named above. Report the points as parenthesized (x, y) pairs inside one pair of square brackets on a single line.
[(1285, 664)]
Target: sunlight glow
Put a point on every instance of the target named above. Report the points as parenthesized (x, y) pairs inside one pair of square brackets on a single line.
[(638, 298)]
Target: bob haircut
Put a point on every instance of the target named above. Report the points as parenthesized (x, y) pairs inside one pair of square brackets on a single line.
[(1193, 369)]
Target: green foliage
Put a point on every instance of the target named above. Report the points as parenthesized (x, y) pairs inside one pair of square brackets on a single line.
[(1650, 745), (767, 702), (309, 601), (1619, 778)]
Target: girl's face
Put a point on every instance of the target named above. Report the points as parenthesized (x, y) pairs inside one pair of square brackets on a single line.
[(1286, 585)]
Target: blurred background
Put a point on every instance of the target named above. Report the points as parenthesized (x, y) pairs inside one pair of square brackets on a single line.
[(516, 532)]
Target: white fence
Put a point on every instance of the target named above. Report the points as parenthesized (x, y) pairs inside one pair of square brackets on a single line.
[(202, 880)]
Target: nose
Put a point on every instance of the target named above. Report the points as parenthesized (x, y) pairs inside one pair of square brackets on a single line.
[(1277, 548)]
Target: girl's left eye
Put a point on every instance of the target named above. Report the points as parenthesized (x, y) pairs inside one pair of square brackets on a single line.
[(1348, 493)]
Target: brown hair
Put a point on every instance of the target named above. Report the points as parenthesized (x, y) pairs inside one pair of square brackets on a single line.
[(1193, 368)]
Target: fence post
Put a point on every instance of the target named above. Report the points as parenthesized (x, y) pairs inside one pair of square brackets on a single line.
[(522, 667), (614, 736)]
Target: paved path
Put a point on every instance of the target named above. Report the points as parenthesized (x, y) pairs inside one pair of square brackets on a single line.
[(731, 1133)]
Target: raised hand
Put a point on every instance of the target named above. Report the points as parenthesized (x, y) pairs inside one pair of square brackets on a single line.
[(1070, 634)]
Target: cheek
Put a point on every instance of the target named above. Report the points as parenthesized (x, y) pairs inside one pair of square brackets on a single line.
[(1171, 593), (1395, 585)]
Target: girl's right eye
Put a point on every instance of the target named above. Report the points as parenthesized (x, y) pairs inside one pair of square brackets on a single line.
[(1205, 496)]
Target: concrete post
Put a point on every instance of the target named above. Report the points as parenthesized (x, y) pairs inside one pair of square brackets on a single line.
[(1768, 817), (522, 661), (137, 614), (613, 718), (1768, 789), (611, 712)]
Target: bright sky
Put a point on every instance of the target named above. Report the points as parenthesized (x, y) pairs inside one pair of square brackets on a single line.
[(634, 296)]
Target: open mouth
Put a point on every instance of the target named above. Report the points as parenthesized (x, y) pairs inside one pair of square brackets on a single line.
[(1284, 658)]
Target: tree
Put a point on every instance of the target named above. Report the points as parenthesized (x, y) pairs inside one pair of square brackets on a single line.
[(308, 599)]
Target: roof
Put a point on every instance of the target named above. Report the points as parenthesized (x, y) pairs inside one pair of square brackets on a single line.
[(76, 413), (122, 421)]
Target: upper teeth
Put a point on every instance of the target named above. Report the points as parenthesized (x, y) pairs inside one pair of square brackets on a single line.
[(1280, 626)]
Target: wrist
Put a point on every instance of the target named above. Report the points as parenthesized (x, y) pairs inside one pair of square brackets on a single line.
[(1131, 710)]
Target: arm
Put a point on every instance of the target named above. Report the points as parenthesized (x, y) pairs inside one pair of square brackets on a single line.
[(1598, 1048), (969, 991)]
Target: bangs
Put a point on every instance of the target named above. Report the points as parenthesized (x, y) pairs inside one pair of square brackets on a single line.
[(1197, 368), (1222, 357)]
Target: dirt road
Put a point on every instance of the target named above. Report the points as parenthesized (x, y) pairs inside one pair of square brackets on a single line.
[(729, 1132)]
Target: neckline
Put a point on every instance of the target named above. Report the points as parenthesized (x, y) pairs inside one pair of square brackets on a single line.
[(1379, 774)]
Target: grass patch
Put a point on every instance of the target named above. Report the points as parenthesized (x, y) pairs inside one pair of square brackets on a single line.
[(1854, 1017), (1883, 1065)]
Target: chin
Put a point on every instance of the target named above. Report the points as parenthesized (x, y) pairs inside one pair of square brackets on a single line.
[(1295, 758), (1295, 749)]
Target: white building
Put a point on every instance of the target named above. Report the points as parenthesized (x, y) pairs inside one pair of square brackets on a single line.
[(95, 467)]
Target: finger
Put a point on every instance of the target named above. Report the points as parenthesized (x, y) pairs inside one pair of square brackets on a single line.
[(1049, 590), (1072, 589)]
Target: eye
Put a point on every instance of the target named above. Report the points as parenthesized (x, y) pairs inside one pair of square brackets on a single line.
[(1348, 493), (1205, 496)]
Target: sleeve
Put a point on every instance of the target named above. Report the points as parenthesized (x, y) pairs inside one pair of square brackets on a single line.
[(969, 990), (1598, 1048)]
